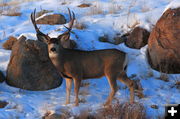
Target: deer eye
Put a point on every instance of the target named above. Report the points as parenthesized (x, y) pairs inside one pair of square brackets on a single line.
[(53, 49)]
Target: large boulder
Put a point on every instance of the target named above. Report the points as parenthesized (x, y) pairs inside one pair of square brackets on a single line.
[(164, 43), (30, 67), (137, 38), (52, 19)]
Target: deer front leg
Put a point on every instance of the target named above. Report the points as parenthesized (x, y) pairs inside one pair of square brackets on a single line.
[(77, 83), (68, 89)]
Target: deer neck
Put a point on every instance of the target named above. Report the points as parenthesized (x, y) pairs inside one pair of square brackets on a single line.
[(57, 61)]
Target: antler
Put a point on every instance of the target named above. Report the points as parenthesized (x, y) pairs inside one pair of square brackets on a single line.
[(71, 21), (41, 36)]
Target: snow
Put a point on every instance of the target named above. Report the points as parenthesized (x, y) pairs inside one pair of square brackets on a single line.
[(174, 4), (25, 104)]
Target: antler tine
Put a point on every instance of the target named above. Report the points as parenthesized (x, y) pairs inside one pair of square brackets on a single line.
[(69, 13), (34, 21), (39, 33), (71, 21)]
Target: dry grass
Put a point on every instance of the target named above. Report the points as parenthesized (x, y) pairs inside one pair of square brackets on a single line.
[(116, 111), (150, 74), (124, 111), (79, 25), (113, 8), (129, 14), (97, 9), (164, 77), (134, 24), (85, 84), (144, 7), (10, 8)]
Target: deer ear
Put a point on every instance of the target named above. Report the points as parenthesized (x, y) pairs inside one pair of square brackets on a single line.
[(43, 38), (64, 37)]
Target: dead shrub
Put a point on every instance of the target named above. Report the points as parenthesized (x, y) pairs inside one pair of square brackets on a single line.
[(116, 111), (9, 43), (123, 111)]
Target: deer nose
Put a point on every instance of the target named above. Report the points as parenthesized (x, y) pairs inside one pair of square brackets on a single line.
[(53, 49)]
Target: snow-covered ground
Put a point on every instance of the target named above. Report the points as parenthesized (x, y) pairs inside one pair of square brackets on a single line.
[(34, 104)]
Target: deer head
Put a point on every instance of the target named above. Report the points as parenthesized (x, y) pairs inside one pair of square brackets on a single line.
[(62, 41)]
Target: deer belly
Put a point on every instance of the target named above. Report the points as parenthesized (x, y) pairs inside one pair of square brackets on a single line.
[(93, 72)]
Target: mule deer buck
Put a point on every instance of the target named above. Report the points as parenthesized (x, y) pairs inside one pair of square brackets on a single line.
[(64, 38), (77, 65)]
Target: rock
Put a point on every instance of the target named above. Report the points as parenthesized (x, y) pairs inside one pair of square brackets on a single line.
[(42, 12), (120, 38), (3, 104), (30, 67), (2, 77), (9, 43), (138, 38), (52, 19), (103, 38), (154, 106), (84, 5), (163, 45)]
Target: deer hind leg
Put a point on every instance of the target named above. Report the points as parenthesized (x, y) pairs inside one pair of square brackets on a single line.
[(77, 83), (113, 86), (68, 89), (130, 83)]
